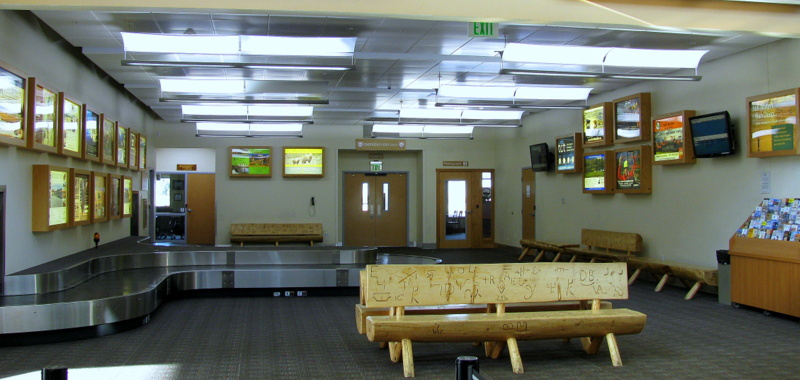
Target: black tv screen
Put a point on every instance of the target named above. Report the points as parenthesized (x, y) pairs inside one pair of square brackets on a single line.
[(712, 134), (541, 158)]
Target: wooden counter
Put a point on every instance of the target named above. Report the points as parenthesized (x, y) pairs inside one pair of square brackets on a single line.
[(766, 274)]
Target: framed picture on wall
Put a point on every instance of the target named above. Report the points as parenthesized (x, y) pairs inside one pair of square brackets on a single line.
[(122, 146), (133, 150), (569, 150), (81, 200), (13, 115), (43, 117), (772, 124), (70, 127), (631, 115), (672, 139), (250, 161), (51, 198), (632, 170), (99, 197), (114, 197), (127, 197), (91, 142), (303, 162), (142, 152), (598, 168), (108, 142), (597, 125)]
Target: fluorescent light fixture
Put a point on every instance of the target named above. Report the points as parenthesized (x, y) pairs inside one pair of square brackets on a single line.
[(506, 105), (296, 128), (477, 92), (515, 93), (203, 86), (249, 130), (397, 128), (236, 65), (549, 73), (600, 75), (554, 54), (305, 46), (491, 115), (552, 93), (300, 111), (214, 110), (429, 113), (422, 131), (180, 44), (686, 59), (447, 129)]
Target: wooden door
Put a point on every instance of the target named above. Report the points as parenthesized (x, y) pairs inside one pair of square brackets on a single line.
[(376, 209), (201, 217), (528, 204), (465, 208)]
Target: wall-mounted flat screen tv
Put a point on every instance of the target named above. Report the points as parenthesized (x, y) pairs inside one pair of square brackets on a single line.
[(712, 134), (541, 158)]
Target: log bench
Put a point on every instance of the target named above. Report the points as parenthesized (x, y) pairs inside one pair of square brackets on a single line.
[(400, 286), (276, 233), (595, 245), (700, 275)]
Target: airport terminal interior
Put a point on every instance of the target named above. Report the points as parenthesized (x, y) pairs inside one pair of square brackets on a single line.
[(195, 192)]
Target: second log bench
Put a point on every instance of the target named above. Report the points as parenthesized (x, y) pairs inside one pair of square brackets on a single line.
[(401, 286), (276, 233)]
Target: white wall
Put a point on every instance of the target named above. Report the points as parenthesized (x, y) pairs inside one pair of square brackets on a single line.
[(694, 208), (23, 46), (168, 159)]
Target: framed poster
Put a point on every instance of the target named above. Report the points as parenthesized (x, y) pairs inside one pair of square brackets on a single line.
[(70, 127), (303, 162), (108, 142), (633, 170), (672, 139), (251, 161), (114, 195), (91, 140), (127, 197), (630, 115), (99, 197), (772, 121), (133, 150), (142, 152), (81, 199), (51, 198), (597, 125), (597, 169), (13, 87), (567, 149), (43, 117), (122, 146)]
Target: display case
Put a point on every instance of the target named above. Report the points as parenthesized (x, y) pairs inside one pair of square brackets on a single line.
[(43, 111), (598, 168), (81, 200), (250, 161), (91, 140), (114, 195), (765, 258), (633, 170), (70, 127), (569, 150), (672, 138), (127, 197), (99, 197), (303, 162), (142, 161), (631, 116), (133, 150), (122, 146), (108, 142), (598, 125), (13, 115), (51, 195), (772, 121)]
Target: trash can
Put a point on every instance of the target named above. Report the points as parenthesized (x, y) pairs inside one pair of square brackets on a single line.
[(724, 276)]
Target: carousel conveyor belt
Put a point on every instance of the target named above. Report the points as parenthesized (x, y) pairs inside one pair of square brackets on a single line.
[(112, 289)]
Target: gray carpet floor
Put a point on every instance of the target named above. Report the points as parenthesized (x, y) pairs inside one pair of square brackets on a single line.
[(315, 338)]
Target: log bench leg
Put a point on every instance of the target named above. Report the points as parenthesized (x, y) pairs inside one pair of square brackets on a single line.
[(693, 291), (513, 351), (408, 358), (488, 347), (241, 244), (539, 256), (558, 257), (574, 257), (663, 282), (613, 349), (591, 344), (524, 252), (498, 349), (395, 350), (634, 276)]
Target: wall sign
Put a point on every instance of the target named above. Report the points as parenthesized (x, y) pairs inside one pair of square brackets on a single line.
[(455, 163), (187, 167), (380, 144)]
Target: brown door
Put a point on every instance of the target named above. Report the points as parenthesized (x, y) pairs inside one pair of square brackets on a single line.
[(201, 217), (528, 204), (465, 208), (376, 209)]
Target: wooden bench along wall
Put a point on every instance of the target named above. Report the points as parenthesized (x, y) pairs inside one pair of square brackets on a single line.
[(400, 286), (276, 233)]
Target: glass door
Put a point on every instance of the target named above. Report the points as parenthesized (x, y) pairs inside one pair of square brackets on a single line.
[(465, 208), (169, 194)]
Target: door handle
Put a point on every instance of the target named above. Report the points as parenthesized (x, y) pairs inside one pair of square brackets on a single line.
[(380, 207)]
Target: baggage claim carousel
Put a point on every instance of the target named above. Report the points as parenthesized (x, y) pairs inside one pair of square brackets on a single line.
[(109, 294)]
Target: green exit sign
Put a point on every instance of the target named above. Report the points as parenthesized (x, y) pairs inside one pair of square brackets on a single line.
[(483, 29)]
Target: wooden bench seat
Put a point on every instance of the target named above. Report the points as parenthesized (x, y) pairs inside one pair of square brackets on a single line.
[(276, 233), (399, 287), (595, 245), (700, 275), (540, 247)]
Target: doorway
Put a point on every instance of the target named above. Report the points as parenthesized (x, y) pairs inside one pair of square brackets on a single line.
[(185, 208), (2, 238), (528, 204), (376, 209), (465, 208)]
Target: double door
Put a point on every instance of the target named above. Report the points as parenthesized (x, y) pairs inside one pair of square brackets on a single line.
[(376, 209), (465, 208)]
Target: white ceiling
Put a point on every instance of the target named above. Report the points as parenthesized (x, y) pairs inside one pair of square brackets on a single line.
[(399, 63)]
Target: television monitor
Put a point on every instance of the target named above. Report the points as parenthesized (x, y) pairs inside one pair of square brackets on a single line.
[(712, 134), (541, 158)]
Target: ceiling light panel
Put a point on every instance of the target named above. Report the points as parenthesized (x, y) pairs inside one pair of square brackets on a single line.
[(180, 44), (516, 93), (304, 46), (203, 86), (688, 59), (563, 55)]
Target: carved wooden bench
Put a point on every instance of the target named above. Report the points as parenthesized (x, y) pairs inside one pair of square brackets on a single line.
[(401, 286), (276, 233)]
